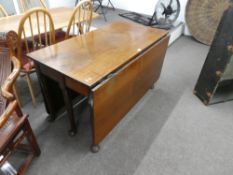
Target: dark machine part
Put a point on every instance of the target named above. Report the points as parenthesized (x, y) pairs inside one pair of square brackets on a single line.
[(165, 14), (139, 18), (215, 83)]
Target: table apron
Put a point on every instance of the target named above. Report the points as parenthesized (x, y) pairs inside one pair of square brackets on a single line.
[(113, 98)]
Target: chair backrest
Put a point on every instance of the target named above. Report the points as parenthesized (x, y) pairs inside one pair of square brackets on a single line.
[(36, 30), (8, 77), (26, 5), (81, 19), (3, 12), (5, 69), (7, 86), (11, 108)]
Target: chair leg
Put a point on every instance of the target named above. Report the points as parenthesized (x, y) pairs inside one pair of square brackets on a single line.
[(31, 139), (17, 95), (29, 81)]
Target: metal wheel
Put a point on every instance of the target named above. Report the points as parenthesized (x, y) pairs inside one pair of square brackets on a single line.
[(167, 12), (95, 148)]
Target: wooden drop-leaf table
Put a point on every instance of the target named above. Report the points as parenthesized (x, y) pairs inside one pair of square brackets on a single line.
[(113, 67)]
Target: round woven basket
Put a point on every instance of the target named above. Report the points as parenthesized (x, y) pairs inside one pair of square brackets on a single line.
[(203, 17)]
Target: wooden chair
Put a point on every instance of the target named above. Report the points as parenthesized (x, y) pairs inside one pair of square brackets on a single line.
[(9, 40), (14, 126), (26, 5), (82, 12), (36, 25), (5, 70), (100, 6), (3, 12), (8, 76)]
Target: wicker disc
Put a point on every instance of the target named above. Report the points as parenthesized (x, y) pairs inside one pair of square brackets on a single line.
[(203, 17)]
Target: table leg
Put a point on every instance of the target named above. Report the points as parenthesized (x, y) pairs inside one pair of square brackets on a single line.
[(49, 107), (94, 147), (69, 109)]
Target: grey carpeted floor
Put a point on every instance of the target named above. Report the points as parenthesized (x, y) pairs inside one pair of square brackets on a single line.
[(168, 132)]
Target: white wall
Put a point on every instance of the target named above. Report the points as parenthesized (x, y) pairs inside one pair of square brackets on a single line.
[(183, 4), (51, 3), (57, 3), (9, 6), (139, 6), (146, 7)]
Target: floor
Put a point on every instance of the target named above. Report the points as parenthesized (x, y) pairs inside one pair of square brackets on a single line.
[(168, 132)]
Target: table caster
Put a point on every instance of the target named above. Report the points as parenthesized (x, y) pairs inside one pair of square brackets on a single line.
[(95, 148), (72, 133)]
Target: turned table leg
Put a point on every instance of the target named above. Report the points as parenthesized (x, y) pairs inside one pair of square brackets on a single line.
[(69, 109)]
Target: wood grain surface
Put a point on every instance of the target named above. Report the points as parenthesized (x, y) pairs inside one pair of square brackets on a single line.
[(89, 58), (114, 98)]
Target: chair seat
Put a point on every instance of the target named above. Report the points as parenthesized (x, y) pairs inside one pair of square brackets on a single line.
[(8, 132), (27, 64)]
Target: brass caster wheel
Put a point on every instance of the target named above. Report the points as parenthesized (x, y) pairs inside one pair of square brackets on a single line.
[(95, 148)]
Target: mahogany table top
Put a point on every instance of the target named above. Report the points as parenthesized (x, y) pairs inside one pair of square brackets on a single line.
[(90, 58)]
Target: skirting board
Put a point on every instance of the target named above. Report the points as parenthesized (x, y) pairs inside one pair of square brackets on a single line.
[(176, 32)]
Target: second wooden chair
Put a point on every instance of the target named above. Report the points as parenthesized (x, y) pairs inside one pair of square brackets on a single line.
[(81, 18), (36, 25)]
